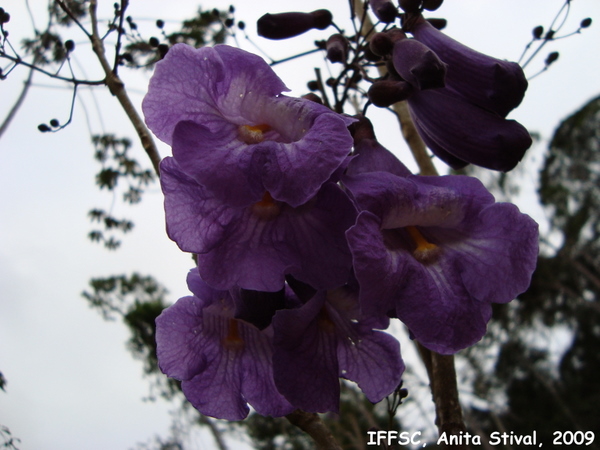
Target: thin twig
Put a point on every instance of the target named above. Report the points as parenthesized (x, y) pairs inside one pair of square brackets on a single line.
[(117, 88)]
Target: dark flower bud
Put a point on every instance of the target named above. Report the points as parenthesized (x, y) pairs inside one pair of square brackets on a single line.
[(215, 12), (229, 22), (162, 50), (4, 17), (384, 93), (127, 57), (69, 45), (337, 48), (381, 44), (313, 85), (330, 82), (549, 35), (551, 58), (432, 5), (585, 22), (313, 98), (321, 45), (537, 32), (410, 6), (160, 23), (242, 25), (290, 24), (231, 9), (54, 123), (43, 128), (154, 42), (369, 55), (384, 10), (438, 24)]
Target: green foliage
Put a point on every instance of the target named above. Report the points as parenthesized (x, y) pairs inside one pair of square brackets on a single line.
[(540, 393), (357, 416), (117, 167), (206, 28), (137, 300)]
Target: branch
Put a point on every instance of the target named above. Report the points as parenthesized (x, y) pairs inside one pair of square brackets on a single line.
[(117, 88), (311, 424), (13, 111)]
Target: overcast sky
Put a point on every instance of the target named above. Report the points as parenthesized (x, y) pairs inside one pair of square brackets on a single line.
[(71, 382)]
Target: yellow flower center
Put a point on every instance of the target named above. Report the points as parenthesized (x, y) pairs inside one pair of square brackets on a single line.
[(233, 339), (425, 252), (267, 208), (253, 134)]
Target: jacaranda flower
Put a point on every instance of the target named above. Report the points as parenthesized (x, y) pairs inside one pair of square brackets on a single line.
[(255, 246), (223, 363), (232, 131), (464, 121), (436, 252), (326, 339)]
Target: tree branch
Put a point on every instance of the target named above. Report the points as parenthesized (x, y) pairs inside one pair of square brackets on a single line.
[(312, 424), (117, 88)]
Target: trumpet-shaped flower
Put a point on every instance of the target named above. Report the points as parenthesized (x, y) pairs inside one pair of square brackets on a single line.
[(436, 252), (326, 339), (255, 246), (232, 131), (223, 363)]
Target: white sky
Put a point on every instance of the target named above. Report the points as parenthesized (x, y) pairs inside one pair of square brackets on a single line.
[(71, 382)]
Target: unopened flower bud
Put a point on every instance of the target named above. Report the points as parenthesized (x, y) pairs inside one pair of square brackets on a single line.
[(410, 6), (43, 128), (585, 22), (537, 32), (432, 5), (4, 17), (154, 42), (160, 23), (384, 93), (369, 55), (54, 123), (337, 48), (384, 10), (313, 98), (162, 50), (242, 25), (69, 45), (290, 24), (438, 24), (551, 58), (381, 44), (313, 85)]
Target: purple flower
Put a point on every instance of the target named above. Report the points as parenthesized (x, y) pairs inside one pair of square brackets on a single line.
[(223, 363), (493, 84), (459, 132), (464, 121), (326, 339), (255, 246), (436, 252), (233, 132)]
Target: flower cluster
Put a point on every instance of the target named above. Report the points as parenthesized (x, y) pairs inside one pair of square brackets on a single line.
[(309, 238)]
